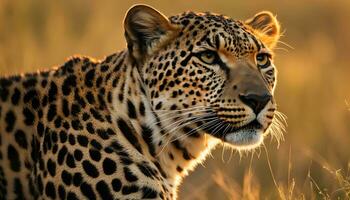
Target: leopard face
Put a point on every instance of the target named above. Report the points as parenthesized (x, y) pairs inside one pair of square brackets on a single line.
[(207, 73)]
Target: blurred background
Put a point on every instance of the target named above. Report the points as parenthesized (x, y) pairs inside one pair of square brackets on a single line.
[(313, 88)]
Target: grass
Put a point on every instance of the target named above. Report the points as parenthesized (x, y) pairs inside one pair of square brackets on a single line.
[(313, 87)]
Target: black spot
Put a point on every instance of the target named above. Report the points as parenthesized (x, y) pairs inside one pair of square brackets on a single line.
[(61, 155), (129, 134), (109, 97), (65, 108), (50, 190), (121, 97), (96, 115), (104, 68), (129, 176), (35, 103), (131, 110), (71, 139), (72, 196), (89, 78), (40, 184), (191, 132), (4, 93), (116, 184), (68, 84), (75, 109), (99, 81), (90, 128), (66, 177), (44, 101), (96, 144), (63, 136), (52, 112), (179, 71), (142, 108), (95, 155), (54, 136), (61, 192), (90, 169), (109, 166), (119, 149), (52, 92), (16, 97), (103, 190), (70, 161), (30, 82), (179, 169), (82, 140), (110, 132), (18, 189), (159, 106), (29, 117), (90, 97), (148, 193), (43, 83), (76, 124), (51, 167), (171, 156), (160, 169), (146, 170), (86, 116), (78, 155), (10, 120), (8, 82), (147, 137), (66, 125), (79, 99), (103, 134), (185, 22), (13, 157), (58, 121), (87, 191), (186, 155), (34, 154), (77, 179), (129, 189)]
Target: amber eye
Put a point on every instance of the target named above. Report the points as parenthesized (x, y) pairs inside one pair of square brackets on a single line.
[(263, 60), (208, 57)]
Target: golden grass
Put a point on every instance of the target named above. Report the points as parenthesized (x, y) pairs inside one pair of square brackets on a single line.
[(313, 87)]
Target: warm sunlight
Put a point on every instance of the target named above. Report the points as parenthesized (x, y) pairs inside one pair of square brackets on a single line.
[(306, 154)]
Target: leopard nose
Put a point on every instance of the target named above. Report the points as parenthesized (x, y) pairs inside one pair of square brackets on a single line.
[(257, 102)]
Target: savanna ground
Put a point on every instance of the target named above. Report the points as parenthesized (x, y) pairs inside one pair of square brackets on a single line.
[(313, 87)]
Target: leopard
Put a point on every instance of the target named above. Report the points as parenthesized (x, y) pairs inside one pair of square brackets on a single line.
[(133, 124)]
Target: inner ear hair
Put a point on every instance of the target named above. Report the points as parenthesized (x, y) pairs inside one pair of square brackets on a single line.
[(266, 27), (146, 30)]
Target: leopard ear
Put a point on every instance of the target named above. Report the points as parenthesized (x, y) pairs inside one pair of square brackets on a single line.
[(266, 27), (146, 30)]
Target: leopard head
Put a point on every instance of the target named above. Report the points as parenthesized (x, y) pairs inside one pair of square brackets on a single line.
[(206, 73)]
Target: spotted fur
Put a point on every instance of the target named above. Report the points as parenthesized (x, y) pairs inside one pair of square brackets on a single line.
[(132, 125)]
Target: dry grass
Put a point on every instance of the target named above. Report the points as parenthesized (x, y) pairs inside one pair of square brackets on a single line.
[(313, 87)]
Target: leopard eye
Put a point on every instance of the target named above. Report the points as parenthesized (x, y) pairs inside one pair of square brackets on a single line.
[(208, 57), (263, 60)]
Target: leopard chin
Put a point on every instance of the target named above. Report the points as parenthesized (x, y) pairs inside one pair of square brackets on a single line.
[(245, 139)]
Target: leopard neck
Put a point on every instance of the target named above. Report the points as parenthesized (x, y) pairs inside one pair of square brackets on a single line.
[(173, 152)]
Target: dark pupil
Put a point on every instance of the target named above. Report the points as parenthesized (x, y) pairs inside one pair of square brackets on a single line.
[(260, 58), (209, 55)]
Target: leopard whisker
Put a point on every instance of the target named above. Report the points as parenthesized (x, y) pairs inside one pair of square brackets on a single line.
[(177, 122), (174, 139), (177, 115)]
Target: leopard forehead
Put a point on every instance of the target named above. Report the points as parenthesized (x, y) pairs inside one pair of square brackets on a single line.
[(209, 29)]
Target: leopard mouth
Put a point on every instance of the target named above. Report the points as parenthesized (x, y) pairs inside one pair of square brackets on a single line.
[(245, 137)]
